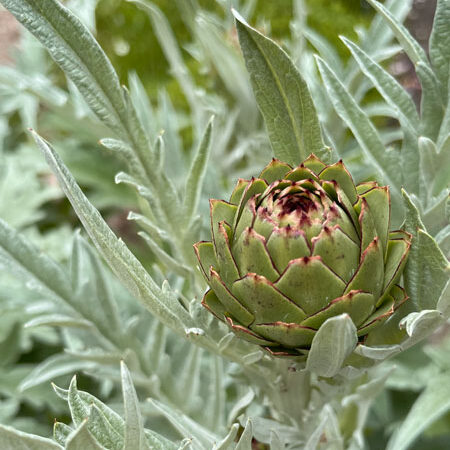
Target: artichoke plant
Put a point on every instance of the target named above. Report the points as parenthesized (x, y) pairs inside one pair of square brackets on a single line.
[(297, 246)]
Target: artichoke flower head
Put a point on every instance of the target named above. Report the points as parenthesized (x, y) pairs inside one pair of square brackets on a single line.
[(297, 246)]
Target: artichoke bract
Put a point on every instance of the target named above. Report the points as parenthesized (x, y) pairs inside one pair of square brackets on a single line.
[(297, 246)]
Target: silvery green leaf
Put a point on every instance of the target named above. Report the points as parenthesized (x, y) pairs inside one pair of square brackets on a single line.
[(60, 432), (240, 406), (134, 438), (420, 325), (216, 402), (377, 353), (187, 428), (328, 427), (80, 402), (391, 90), (21, 257), (83, 60), (432, 404), (102, 431), (427, 269), (283, 97), (124, 264), (228, 442), (275, 442), (11, 438), (331, 345), (97, 355), (171, 50), (229, 66), (360, 125), (58, 320), (245, 441), (412, 48), (196, 175), (81, 439), (163, 257), (443, 304), (262, 429), (432, 105), (142, 105), (440, 43), (125, 153), (53, 367), (445, 125)]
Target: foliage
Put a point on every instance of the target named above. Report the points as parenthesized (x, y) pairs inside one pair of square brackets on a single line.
[(64, 311)]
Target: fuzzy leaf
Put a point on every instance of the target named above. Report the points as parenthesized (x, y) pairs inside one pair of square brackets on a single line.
[(427, 269), (360, 125), (124, 264), (432, 404), (440, 42), (331, 345), (74, 48), (194, 180), (15, 439), (81, 439), (412, 48), (282, 95), (134, 428)]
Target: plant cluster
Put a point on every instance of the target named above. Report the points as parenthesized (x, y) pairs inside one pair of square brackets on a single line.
[(333, 330)]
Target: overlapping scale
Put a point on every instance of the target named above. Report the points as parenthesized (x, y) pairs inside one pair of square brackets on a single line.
[(297, 246)]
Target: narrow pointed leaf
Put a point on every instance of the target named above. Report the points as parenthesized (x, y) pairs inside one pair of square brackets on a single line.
[(196, 175), (10, 438), (134, 428), (282, 95), (360, 125), (124, 264)]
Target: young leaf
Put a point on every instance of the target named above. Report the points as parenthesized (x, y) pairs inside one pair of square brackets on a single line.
[(81, 439), (282, 95), (134, 428), (194, 180), (331, 345)]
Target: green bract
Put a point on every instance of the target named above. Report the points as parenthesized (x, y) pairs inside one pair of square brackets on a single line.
[(297, 246)]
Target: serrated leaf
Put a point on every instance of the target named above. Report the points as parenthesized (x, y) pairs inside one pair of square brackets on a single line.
[(360, 125), (427, 269), (331, 345), (123, 263), (283, 97), (432, 404), (134, 428)]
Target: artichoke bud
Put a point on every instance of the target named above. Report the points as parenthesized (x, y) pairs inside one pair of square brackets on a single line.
[(297, 246)]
